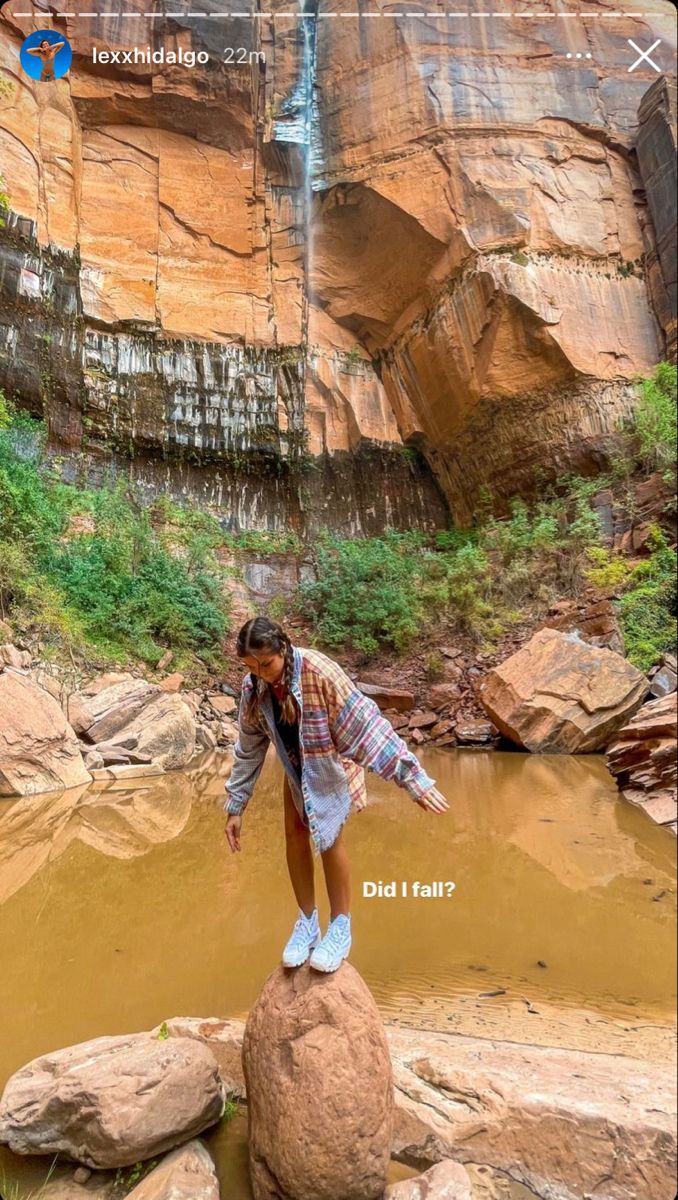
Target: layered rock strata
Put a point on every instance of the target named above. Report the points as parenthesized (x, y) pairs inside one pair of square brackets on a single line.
[(361, 233)]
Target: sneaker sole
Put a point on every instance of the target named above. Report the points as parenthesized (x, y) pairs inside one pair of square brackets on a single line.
[(330, 970), (291, 966)]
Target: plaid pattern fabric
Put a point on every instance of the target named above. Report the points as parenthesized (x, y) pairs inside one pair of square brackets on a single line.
[(340, 733)]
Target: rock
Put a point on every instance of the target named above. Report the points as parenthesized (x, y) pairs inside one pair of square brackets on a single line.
[(557, 1121), (398, 720), (93, 760), (172, 683), (224, 1039), (81, 1175), (204, 738), (39, 751), (6, 633), (441, 728), (559, 695), (447, 739), (418, 736), (128, 771), (474, 732), (222, 705), (664, 681), (451, 652), (643, 758), (423, 720), (319, 1088), (656, 149), (162, 732), (113, 1101), (228, 733), (446, 1181), (10, 656), (388, 697), (443, 695), (100, 714), (185, 1174), (595, 623), (165, 661)]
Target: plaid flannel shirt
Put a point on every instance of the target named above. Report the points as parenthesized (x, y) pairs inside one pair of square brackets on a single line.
[(341, 731)]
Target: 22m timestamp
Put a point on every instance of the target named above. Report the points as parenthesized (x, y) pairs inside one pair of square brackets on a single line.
[(240, 56)]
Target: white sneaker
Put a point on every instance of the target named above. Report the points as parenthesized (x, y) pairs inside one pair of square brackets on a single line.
[(335, 946), (305, 935)]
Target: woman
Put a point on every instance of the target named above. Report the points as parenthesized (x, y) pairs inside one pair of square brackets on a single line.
[(324, 731), (47, 51)]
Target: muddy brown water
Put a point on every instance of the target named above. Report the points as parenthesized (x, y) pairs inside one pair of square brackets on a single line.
[(121, 907)]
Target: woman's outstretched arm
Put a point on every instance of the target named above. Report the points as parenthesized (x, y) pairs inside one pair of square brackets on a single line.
[(360, 733), (250, 752)]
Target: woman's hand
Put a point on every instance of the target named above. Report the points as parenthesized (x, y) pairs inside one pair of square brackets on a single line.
[(433, 801), (233, 827)]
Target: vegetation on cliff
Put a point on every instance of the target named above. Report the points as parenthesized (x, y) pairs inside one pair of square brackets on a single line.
[(92, 570), (97, 573), (504, 572)]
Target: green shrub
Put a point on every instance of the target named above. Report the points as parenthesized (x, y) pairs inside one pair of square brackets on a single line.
[(647, 611), (366, 593), (126, 581), (655, 419)]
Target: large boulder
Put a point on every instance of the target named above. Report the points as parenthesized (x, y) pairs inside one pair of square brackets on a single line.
[(133, 716), (164, 731), (643, 759), (446, 1181), (319, 1087), (106, 705), (560, 695), (113, 1101), (185, 1174), (563, 1123), (39, 751)]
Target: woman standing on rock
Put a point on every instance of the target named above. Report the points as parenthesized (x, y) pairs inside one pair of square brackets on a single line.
[(324, 731)]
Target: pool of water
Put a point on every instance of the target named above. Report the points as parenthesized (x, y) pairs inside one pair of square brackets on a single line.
[(121, 907)]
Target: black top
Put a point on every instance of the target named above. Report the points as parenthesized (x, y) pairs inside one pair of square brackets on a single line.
[(289, 734)]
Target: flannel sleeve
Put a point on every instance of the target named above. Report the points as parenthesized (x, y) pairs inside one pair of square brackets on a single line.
[(360, 733), (250, 752)]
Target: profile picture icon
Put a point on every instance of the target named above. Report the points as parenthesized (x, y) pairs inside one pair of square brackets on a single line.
[(46, 55)]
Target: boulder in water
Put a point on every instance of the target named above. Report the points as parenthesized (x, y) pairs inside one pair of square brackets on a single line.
[(560, 695), (39, 751), (185, 1174), (446, 1181), (113, 1101), (319, 1088)]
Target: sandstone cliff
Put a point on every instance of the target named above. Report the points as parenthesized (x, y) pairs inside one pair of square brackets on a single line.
[(369, 232)]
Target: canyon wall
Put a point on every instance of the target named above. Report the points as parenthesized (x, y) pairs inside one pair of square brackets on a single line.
[(370, 267)]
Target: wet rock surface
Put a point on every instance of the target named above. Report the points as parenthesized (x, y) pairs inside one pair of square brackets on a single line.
[(446, 1181), (643, 759)]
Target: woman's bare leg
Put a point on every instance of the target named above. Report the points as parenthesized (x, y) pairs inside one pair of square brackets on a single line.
[(337, 870), (299, 855)]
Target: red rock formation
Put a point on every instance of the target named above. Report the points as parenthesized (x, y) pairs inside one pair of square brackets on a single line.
[(476, 232)]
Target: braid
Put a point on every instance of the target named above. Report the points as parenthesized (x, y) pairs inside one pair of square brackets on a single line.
[(289, 712), (252, 711)]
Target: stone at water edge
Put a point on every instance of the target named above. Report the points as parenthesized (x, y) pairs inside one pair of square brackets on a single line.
[(186, 1174), (560, 695), (113, 1101), (319, 1088), (39, 751), (446, 1181)]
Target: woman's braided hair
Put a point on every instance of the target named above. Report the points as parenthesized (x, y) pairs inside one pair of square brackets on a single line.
[(263, 634)]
